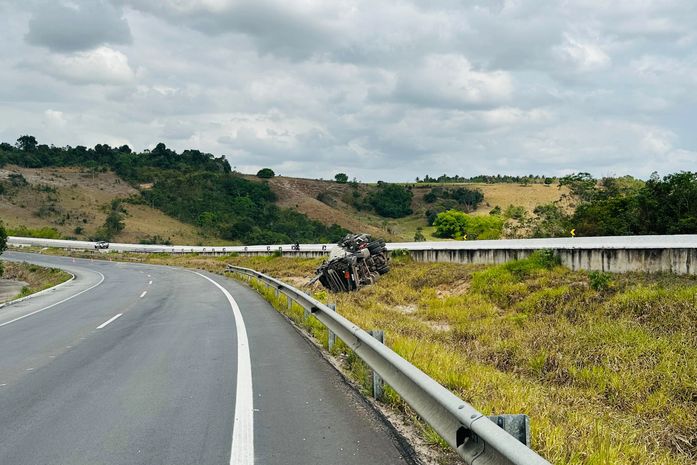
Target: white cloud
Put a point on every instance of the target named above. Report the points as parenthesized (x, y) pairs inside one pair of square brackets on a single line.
[(583, 54), (99, 66), (55, 118), (450, 80)]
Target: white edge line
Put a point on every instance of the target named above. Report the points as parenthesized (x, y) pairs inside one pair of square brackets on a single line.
[(36, 294), (109, 321), (242, 449), (57, 303)]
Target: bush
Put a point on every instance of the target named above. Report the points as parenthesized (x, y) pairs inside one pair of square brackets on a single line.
[(341, 178), (3, 243), (455, 224), (265, 173), (42, 233), (599, 281), (391, 200)]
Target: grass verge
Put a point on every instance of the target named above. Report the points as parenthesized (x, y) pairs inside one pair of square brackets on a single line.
[(37, 277)]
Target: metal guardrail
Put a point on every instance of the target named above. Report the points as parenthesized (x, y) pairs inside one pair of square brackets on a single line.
[(478, 440)]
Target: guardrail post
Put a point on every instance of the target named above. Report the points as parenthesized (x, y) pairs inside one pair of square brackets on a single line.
[(378, 384), (276, 292), (290, 302), (331, 339)]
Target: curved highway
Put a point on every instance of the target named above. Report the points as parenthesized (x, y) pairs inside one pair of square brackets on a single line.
[(140, 364)]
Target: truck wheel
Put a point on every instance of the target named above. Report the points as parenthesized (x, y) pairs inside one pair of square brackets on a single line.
[(376, 246)]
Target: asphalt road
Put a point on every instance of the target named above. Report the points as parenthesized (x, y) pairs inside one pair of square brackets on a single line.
[(139, 364)]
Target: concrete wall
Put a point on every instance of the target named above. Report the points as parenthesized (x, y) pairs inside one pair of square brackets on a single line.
[(679, 261)]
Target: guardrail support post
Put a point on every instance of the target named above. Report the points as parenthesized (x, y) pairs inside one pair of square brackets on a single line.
[(290, 302), (378, 384), (331, 339), (276, 292)]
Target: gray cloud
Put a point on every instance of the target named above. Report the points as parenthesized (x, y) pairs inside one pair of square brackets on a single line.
[(381, 90), (68, 27)]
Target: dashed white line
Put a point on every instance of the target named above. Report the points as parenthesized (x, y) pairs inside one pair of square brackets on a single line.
[(143, 294), (242, 450), (150, 282), (109, 321), (57, 303)]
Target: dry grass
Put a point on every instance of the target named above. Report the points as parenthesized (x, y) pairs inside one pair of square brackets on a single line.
[(68, 198), (608, 377), (37, 277)]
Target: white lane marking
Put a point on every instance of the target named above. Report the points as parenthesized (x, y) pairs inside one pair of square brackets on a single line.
[(242, 450), (148, 276), (109, 321), (57, 303), (150, 282), (143, 294)]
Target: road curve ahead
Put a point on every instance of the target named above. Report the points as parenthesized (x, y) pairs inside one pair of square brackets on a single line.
[(139, 364)]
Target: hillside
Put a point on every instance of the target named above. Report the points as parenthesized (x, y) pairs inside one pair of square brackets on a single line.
[(335, 205), (76, 199), (75, 202)]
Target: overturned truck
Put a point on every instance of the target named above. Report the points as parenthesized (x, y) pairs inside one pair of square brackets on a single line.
[(357, 260)]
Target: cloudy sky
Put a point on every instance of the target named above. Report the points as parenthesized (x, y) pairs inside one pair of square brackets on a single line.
[(385, 90)]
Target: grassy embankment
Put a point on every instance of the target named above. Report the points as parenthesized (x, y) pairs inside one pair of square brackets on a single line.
[(37, 277), (606, 366)]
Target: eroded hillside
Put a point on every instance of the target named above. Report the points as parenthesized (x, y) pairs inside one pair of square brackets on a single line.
[(75, 202)]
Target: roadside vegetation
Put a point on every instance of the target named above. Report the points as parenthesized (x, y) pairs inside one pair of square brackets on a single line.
[(605, 365), (37, 278)]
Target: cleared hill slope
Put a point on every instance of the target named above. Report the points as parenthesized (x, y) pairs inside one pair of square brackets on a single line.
[(74, 201), (330, 202)]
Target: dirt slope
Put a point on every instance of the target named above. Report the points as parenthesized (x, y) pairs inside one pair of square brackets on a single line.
[(74, 199)]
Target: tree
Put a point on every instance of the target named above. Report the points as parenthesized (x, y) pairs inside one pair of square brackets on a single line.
[(582, 186), (265, 173), (341, 178), (27, 143), (3, 243), (391, 200), (455, 224)]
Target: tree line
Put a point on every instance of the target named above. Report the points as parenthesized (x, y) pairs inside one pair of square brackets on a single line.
[(192, 186), (489, 179)]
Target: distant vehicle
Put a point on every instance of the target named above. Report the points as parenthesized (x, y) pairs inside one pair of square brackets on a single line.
[(358, 260), (101, 245)]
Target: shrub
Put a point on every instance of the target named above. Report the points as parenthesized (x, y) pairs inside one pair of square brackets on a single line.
[(341, 178), (599, 281), (455, 224), (391, 200), (265, 173)]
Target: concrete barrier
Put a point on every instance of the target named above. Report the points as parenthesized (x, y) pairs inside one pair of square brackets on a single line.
[(675, 254)]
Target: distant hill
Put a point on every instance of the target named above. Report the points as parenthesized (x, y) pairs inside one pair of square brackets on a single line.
[(74, 201), (331, 202), (159, 195)]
